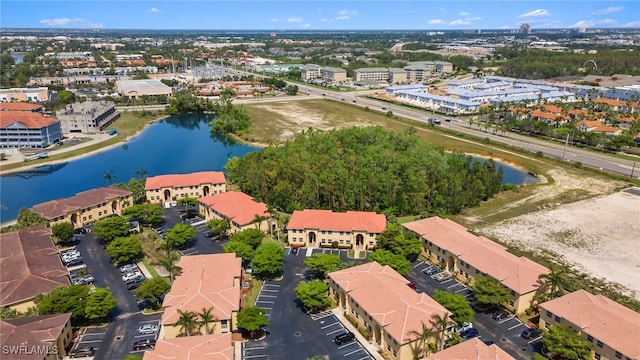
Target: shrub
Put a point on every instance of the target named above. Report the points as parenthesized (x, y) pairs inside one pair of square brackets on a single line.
[(353, 321), (364, 333)]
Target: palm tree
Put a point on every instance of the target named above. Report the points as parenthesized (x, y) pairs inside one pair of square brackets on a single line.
[(109, 177), (556, 282), (258, 220), (169, 265), (440, 325), (188, 322), (142, 173), (422, 345), (206, 318)]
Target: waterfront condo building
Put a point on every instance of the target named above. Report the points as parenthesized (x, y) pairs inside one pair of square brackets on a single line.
[(26, 129), (323, 228), (87, 117), (238, 208), (167, 188)]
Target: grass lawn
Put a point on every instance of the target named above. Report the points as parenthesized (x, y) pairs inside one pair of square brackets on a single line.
[(251, 297)]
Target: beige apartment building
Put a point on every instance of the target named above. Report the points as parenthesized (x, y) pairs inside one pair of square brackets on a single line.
[(467, 255), (321, 228), (43, 337), (209, 282), (204, 347), (390, 319), (610, 328), (167, 188), (39, 94), (238, 208), (472, 349), (86, 207)]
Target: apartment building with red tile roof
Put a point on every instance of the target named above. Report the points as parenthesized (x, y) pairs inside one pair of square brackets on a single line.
[(597, 126), (171, 187), (205, 347), (240, 209), (30, 265), (472, 349), (549, 117), (21, 106), (26, 129), (610, 328), (36, 335), (85, 207), (318, 228), (391, 318), (206, 281), (467, 255)]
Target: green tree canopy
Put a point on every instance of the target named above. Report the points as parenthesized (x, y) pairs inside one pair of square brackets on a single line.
[(385, 257), (219, 226), (99, 303), (149, 214), (110, 228), (291, 90), (489, 291), (125, 249), (457, 304), (241, 249), (252, 319), (251, 237), (178, 235), (269, 260), (565, 342), (400, 242), (152, 289), (313, 294), (26, 218), (62, 231), (322, 264)]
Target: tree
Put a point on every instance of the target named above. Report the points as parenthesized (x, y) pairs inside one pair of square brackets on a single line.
[(397, 262), (252, 319), (125, 249), (440, 325), (206, 318), (169, 264), (152, 289), (99, 303), (187, 322), (489, 291), (400, 242), (219, 226), (456, 303), (422, 346), (555, 283), (64, 98), (69, 299), (291, 89), (322, 264), (241, 249), (565, 342), (62, 231), (251, 237), (109, 177), (110, 228), (150, 214), (179, 235), (269, 260), (26, 218), (313, 295)]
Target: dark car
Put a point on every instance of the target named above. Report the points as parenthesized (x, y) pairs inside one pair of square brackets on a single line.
[(500, 315), (133, 284), (344, 338), (74, 262), (82, 352), (469, 333), (144, 304), (530, 333), (431, 270), (69, 242), (412, 285), (144, 344)]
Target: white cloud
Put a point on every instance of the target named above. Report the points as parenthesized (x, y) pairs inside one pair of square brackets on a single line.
[(342, 17), (436, 22), (633, 24), (537, 12), (475, 18), (154, 10), (609, 10), (346, 14), (464, 13), (594, 23), (306, 26), (505, 27), (582, 24), (276, 19), (70, 23), (459, 22), (294, 19), (325, 20)]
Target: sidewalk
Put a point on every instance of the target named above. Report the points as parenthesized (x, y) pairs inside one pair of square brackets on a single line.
[(371, 348)]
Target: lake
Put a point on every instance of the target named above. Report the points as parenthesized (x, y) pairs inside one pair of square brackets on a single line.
[(177, 144)]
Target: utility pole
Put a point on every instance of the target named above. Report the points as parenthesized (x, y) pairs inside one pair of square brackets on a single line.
[(633, 168), (566, 144)]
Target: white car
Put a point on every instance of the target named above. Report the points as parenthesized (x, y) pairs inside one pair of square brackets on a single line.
[(132, 275), (463, 327), (148, 329), (128, 268)]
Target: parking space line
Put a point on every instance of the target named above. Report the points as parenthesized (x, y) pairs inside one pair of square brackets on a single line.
[(269, 290), (515, 326), (349, 344), (505, 320), (254, 356), (91, 341), (268, 296), (354, 351), (461, 290), (446, 281), (335, 331), (276, 285), (454, 285), (330, 325), (536, 339), (366, 357), (266, 302), (418, 264), (256, 348)]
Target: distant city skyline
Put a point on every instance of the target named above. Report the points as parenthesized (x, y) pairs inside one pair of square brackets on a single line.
[(318, 15)]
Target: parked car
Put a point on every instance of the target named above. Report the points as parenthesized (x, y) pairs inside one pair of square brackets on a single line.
[(73, 262), (470, 333), (84, 280), (81, 230), (530, 333), (82, 352), (443, 276), (431, 270), (134, 283), (344, 338), (144, 344), (128, 268), (463, 327), (500, 315), (131, 275), (148, 329), (69, 242), (412, 285), (248, 269), (144, 304)]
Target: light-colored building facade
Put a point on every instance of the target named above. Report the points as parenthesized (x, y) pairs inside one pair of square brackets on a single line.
[(390, 319), (206, 282), (39, 94), (167, 188), (87, 117), (333, 75), (85, 207), (25, 129), (372, 74), (321, 228), (135, 88), (610, 328), (43, 337), (204, 347), (238, 208), (472, 349), (467, 255)]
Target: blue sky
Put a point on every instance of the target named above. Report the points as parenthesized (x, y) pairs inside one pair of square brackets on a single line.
[(318, 15)]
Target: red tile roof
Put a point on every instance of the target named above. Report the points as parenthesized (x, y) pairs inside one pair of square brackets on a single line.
[(400, 310), (205, 347), (30, 265), (517, 273), (236, 206), (181, 180), (602, 318), (55, 208), (547, 115), (473, 349), (328, 220), (207, 281), (35, 331), (589, 124), (20, 106), (610, 102), (27, 119)]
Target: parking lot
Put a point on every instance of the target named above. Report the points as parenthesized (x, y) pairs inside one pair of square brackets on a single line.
[(331, 327), (137, 336), (91, 337)]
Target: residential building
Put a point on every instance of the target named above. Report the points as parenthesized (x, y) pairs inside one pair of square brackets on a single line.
[(21, 106), (333, 75), (166, 188), (135, 88), (468, 255), (423, 70), (40, 94), (390, 319), (205, 347), (30, 265), (598, 127), (373, 74), (238, 208), (85, 207), (25, 129), (87, 117), (472, 349), (206, 282), (525, 29), (608, 327), (43, 337), (321, 228)]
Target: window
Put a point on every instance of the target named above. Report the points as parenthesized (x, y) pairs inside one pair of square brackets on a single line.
[(597, 356), (589, 338), (557, 318), (341, 241), (224, 324), (549, 314), (330, 232), (323, 232), (348, 242), (84, 218), (90, 217), (618, 355), (466, 265), (511, 303), (513, 293), (341, 232), (599, 344)]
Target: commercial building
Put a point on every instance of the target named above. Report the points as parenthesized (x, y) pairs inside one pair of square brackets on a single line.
[(608, 327), (329, 74), (43, 337), (30, 265), (423, 70), (205, 347), (238, 208), (206, 282), (135, 88), (167, 188), (472, 349), (467, 255), (322, 228), (87, 117), (390, 319), (25, 129), (85, 207), (40, 94)]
